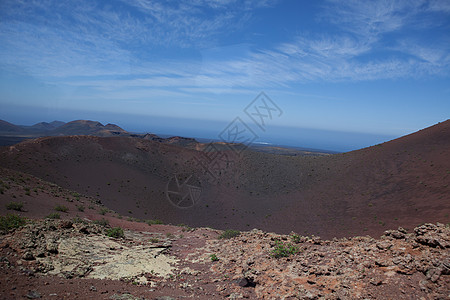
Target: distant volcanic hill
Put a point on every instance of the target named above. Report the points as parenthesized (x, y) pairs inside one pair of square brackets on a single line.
[(403, 182), (84, 127), (6, 127), (11, 134), (44, 126), (78, 127)]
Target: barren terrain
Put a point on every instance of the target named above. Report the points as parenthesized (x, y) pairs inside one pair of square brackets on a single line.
[(382, 215), (73, 257), (399, 183)]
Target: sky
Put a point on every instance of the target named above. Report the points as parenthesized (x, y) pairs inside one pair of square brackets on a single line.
[(343, 74)]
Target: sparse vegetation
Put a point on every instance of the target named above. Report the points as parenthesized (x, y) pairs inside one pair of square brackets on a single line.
[(102, 222), (103, 211), (152, 222), (76, 195), (61, 208), (80, 207), (295, 238), (11, 221), (214, 257), (228, 234), (14, 206), (115, 232), (53, 216), (78, 220), (284, 249), (186, 227)]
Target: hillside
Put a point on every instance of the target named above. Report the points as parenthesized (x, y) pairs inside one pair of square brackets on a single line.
[(399, 183), (67, 248)]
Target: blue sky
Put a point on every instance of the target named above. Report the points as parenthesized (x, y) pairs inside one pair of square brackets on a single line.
[(380, 68)]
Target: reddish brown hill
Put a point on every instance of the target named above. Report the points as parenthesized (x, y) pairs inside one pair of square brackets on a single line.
[(400, 183), (403, 182)]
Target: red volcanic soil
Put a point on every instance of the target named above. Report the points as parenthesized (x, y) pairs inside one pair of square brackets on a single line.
[(403, 182)]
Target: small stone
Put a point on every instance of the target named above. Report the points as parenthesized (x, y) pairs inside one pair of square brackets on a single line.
[(398, 235), (433, 274), (52, 247), (242, 282), (28, 256), (84, 229), (384, 245), (402, 230), (66, 224), (40, 254), (33, 295), (376, 282), (28, 272), (246, 282)]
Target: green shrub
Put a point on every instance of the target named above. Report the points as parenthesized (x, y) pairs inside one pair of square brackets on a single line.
[(103, 211), (214, 257), (53, 216), (61, 208), (102, 222), (14, 206), (296, 238), (115, 232), (228, 234), (80, 207), (11, 221), (151, 222), (283, 249), (185, 227)]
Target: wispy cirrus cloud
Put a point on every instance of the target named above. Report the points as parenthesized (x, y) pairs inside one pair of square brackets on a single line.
[(106, 47), (372, 40)]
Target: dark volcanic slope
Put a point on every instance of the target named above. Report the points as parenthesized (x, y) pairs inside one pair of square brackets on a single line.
[(8, 127), (85, 127), (400, 183)]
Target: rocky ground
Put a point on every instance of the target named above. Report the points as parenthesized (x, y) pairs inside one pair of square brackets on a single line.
[(76, 259)]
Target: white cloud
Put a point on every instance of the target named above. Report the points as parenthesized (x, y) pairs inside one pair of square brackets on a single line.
[(75, 43)]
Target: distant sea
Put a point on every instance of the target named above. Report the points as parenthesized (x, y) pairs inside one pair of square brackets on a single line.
[(308, 138)]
